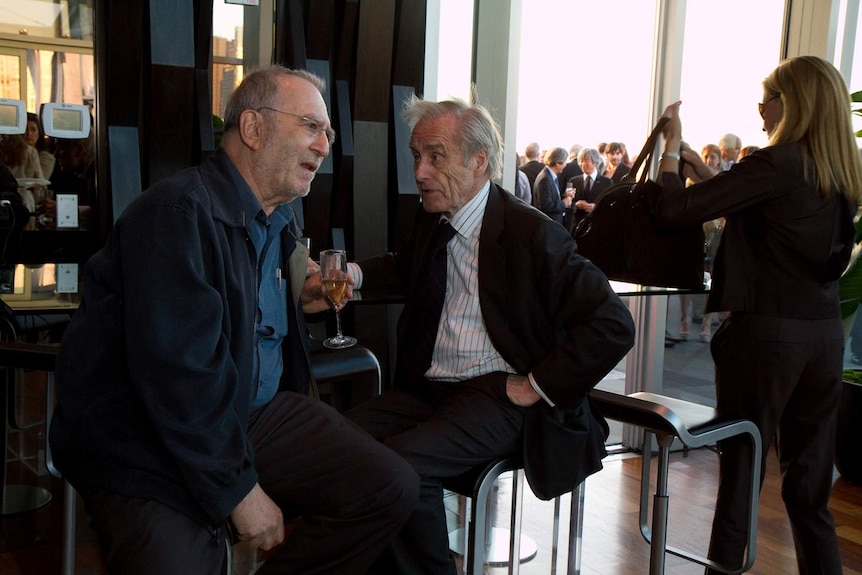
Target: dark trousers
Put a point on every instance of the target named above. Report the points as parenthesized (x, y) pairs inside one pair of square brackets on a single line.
[(449, 431), (350, 493), (785, 376)]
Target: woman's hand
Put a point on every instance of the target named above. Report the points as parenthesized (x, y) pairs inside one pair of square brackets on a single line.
[(695, 168), (673, 128)]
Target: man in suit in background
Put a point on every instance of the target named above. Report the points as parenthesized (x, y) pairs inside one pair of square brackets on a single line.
[(587, 187), (534, 164), (546, 192), (572, 168), (505, 331)]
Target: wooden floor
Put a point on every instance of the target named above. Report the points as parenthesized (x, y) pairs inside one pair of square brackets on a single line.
[(612, 545)]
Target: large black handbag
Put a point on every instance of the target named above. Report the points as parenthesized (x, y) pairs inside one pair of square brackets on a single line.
[(623, 239)]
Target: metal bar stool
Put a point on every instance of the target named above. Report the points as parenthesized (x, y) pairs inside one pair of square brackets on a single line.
[(695, 426)]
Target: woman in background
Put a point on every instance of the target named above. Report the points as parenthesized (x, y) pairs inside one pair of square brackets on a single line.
[(35, 137), (787, 238), (23, 161)]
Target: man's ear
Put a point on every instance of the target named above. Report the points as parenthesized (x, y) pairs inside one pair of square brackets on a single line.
[(251, 128), (480, 162)]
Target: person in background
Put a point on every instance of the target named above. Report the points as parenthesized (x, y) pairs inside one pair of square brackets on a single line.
[(523, 190), (572, 168), (711, 156), (788, 235), (587, 187), (504, 332), (35, 137), (747, 151), (533, 162), (183, 381), (75, 169), (23, 161), (546, 192), (729, 146), (615, 169)]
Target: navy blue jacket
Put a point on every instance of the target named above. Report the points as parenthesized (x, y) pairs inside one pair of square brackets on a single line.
[(154, 373)]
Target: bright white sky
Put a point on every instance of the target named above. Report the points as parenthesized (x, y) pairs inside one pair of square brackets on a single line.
[(588, 84)]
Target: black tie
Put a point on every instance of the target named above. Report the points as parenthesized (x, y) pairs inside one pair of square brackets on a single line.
[(587, 185), (427, 304)]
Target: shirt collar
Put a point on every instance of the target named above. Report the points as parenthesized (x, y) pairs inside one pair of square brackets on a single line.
[(470, 215)]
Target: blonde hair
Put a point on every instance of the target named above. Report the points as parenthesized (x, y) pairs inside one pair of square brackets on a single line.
[(816, 106)]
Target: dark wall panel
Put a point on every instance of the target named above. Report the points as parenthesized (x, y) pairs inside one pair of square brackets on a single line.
[(374, 60), (370, 179), (154, 77)]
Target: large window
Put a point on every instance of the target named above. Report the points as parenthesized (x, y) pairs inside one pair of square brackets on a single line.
[(729, 48), (585, 72), (228, 69), (46, 52)]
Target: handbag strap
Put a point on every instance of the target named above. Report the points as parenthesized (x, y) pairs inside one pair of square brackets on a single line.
[(636, 175)]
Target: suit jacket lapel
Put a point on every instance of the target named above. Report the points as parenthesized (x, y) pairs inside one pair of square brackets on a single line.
[(492, 271)]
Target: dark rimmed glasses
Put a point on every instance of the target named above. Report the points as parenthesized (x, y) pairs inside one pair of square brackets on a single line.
[(761, 106)]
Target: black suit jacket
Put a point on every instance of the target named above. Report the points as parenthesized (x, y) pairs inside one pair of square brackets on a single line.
[(602, 183), (532, 169), (549, 312), (546, 196), (784, 245), (571, 170), (620, 172)]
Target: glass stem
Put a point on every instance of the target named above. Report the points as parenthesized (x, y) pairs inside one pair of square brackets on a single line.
[(338, 325)]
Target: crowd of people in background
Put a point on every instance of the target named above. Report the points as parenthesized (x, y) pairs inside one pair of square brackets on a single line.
[(582, 176), (45, 166)]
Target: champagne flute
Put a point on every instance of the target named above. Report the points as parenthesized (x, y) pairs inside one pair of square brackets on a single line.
[(333, 273)]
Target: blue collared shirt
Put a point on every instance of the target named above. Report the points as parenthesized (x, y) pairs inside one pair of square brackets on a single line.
[(271, 319)]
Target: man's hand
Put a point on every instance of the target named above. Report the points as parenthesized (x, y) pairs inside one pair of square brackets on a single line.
[(585, 205), (258, 520), (314, 295), (520, 391)]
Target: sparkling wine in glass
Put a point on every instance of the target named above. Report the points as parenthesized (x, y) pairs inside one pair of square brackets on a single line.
[(333, 271)]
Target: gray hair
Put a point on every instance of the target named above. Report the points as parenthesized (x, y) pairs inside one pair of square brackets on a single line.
[(258, 90), (532, 150), (478, 132), (556, 156), (593, 153)]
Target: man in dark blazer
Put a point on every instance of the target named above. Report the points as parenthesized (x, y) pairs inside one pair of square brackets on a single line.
[(572, 168), (587, 186), (546, 193), (533, 164), (527, 328)]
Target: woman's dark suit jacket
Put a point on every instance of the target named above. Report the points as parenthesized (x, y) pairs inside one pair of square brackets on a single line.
[(549, 312), (783, 247)]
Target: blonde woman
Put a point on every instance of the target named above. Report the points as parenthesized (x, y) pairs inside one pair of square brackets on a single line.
[(788, 210)]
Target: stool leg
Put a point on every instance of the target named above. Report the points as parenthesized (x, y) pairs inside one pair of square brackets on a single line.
[(67, 551), (479, 528), (660, 507), (515, 522), (576, 529)]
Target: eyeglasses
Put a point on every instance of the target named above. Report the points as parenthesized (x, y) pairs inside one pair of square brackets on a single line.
[(761, 106), (314, 126)]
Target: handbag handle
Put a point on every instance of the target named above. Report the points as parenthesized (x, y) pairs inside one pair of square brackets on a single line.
[(635, 175), (647, 151)]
